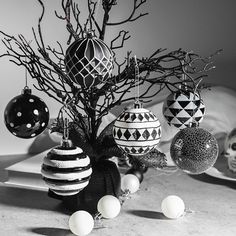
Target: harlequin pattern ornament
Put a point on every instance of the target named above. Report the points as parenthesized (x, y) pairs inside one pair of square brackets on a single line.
[(88, 61), (26, 115), (66, 169), (183, 108), (137, 131), (194, 150)]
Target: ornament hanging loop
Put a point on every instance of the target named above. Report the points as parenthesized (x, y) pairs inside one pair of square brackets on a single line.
[(137, 103)]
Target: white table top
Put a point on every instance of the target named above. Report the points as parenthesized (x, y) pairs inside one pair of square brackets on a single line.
[(211, 200)]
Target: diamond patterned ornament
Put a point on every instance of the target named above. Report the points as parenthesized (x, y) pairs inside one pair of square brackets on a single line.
[(26, 115), (182, 109), (66, 169), (88, 61), (137, 131)]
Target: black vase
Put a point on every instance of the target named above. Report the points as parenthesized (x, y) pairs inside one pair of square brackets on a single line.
[(105, 180)]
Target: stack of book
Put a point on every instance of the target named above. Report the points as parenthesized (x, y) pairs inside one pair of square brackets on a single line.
[(27, 173)]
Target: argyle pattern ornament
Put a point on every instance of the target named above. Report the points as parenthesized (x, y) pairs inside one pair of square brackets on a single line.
[(182, 109), (137, 131), (88, 61)]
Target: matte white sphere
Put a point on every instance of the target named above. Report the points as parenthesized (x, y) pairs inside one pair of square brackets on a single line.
[(81, 223), (130, 182), (109, 206), (172, 207)]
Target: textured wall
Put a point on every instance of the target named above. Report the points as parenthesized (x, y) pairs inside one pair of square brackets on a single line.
[(202, 26)]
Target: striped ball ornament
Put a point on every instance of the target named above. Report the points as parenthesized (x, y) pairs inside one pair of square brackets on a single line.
[(182, 109), (66, 170), (88, 61), (137, 131)]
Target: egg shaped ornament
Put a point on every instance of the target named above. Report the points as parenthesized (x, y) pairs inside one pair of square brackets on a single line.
[(137, 131), (88, 61), (194, 150), (66, 169), (181, 109), (26, 115)]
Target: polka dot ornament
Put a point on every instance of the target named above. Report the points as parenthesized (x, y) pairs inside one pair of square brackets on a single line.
[(88, 61), (137, 131), (194, 150), (26, 115), (182, 109)]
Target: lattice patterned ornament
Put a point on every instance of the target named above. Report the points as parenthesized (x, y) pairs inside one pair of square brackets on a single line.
[(137, 131), (26, 115), (181, 109), (66, 169), (88, 61)]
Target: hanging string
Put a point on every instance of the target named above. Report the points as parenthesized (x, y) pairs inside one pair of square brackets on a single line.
[(136, 83), (66, 129), (97, 8)]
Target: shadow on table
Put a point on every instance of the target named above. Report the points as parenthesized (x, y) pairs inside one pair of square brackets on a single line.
[(49, 231), (147, 214), (32, 199), (211, 180)]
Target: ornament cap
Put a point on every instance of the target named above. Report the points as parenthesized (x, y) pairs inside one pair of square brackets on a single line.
[(26, 90), (66, 143)]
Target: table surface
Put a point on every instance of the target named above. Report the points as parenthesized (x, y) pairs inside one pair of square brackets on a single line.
[(210, 204)]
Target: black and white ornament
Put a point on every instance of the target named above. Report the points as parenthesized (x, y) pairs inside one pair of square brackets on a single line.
[(183, 108), (26, 115), (66, 169), (137, 131), (88, 61)]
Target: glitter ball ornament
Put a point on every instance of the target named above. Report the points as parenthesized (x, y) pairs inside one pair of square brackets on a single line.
[(66, 169), (109, 206), (26, 115), (130, 182), (172, 207), (194, 150), (88, 61), (81, 223), (183, 108), (137, 131)]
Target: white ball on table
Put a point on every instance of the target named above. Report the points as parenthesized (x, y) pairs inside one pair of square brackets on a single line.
[(109, 206), (81, 223), (130, 182), (172, 207)]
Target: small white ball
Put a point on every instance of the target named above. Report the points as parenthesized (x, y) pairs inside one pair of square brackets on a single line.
[(109, 206), (130, 182), (81, 223), (172, 207)]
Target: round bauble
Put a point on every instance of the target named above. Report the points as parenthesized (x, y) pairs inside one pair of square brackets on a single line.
[(172, 207), (181, 109), (109, 206), (26, 115), (138, 173), (66, 169), (137, 131), (194, 150), (81, 223), (88, 61), (130, 182)]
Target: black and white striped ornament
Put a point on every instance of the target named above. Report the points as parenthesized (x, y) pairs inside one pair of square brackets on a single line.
[(66, 169), (137, 131), (88, 61), (181, 109)]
